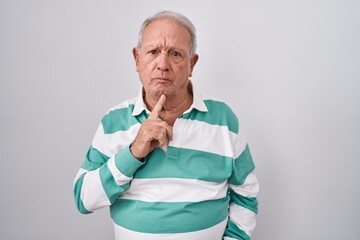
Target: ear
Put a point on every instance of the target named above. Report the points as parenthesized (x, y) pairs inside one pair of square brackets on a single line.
[(193, 60), (136, 58)]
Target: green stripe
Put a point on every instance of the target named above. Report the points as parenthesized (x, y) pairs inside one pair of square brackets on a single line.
[(94, 159), (243, 165), (168, 217), (111, 189), (118, 120), (249, 203), (77, 195), (186, 163), (218, 114), (234, 232)]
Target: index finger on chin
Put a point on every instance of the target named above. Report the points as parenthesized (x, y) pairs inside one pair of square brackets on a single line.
[(157, 108)]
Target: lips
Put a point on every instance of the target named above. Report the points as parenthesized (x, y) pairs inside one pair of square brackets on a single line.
[(161, 79)]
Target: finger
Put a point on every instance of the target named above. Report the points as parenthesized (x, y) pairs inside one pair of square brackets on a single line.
[(169, 132), (157, 138), (157, 108), (165, 129)]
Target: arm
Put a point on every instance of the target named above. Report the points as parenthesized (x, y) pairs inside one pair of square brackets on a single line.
[(243, 190), (102, 179)]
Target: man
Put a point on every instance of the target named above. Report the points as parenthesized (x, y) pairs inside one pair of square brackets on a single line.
[(170, 164)]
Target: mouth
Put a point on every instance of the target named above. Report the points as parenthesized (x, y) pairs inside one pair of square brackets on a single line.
[(162, 81)]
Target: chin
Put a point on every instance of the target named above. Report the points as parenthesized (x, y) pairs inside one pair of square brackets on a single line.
[(155, 92), (160, 90)]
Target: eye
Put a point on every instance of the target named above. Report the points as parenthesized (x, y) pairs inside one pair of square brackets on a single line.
[(153, 52), (174, 53)]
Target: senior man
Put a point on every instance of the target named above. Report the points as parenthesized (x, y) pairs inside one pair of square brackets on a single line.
[(170, 164)]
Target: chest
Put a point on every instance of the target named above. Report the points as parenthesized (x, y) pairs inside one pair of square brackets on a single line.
[(197, 151)]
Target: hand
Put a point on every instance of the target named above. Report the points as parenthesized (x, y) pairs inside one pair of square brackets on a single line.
[(153, 132)]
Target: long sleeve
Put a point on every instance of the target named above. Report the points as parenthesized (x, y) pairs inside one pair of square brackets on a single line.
[(243, 190), (104, 176)]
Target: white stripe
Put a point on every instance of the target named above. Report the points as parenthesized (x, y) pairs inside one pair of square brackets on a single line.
[(109, 144), (93, 195), (239, 144), (243, 218), (249, 188), (124, 104), (98, 141), (174, 190), (79, 174), (229, 238), (118, 176), (194, 134), (213, 233)]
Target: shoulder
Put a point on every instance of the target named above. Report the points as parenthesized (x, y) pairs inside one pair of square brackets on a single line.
[(129, 103), (216, 106), (219, 113), (117, 117)]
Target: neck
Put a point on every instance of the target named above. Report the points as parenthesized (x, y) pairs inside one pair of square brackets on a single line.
[(175, 105)]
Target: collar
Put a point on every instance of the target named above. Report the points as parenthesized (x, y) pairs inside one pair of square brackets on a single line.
[(198, 103)]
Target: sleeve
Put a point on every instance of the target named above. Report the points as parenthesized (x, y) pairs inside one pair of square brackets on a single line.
[(243, 190), (103, 178)]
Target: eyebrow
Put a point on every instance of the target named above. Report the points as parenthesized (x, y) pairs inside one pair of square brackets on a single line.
[(149, 47)]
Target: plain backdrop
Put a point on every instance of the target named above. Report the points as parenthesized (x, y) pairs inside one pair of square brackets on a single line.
[(289, 69)]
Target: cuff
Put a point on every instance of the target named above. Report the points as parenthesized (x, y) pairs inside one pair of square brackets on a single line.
[(126, 162)]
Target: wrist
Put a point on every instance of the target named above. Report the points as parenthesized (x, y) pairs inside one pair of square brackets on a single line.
[(131, 148)]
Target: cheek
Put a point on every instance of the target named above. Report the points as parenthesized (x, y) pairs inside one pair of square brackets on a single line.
[(146, 65), (142, 67), (186, 71)]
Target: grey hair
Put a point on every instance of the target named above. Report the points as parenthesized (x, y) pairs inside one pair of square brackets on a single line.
[(177, 17)]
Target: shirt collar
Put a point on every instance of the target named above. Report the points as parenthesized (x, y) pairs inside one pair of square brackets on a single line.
[(198, 103)]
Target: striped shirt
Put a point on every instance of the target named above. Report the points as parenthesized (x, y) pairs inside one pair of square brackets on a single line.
[(201, 186)]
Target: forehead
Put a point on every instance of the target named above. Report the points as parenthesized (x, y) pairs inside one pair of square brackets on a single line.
[(166, 31)]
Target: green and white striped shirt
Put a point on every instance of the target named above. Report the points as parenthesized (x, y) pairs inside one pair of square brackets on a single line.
[(202, 186)]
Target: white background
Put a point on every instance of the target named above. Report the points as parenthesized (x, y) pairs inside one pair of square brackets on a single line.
[(289, 69)]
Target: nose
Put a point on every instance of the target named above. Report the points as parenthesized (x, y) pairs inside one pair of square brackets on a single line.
[(163, 62)]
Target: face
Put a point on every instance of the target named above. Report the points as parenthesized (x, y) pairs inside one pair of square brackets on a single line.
[(163, 61)]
